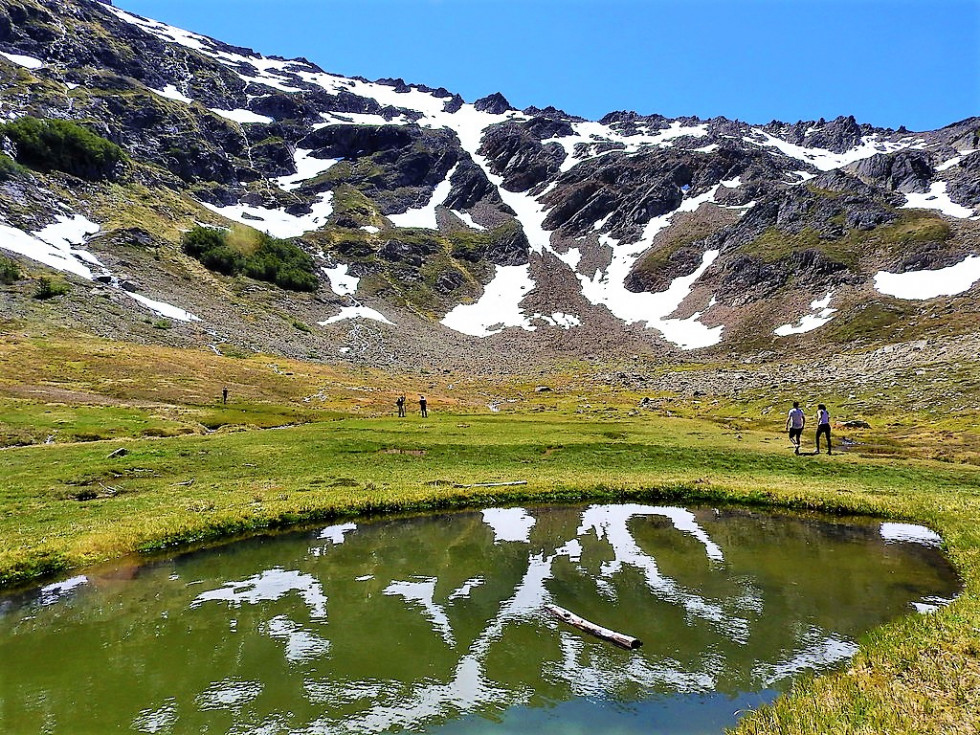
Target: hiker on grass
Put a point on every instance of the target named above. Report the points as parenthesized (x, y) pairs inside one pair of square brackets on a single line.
[(401, 406), (795, 422), (823, 427), (422, 407)]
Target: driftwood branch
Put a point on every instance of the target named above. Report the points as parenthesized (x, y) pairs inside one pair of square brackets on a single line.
[(493, 484), (623, 641)]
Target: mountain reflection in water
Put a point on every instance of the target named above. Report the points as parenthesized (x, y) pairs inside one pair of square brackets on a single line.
[(435, 624)]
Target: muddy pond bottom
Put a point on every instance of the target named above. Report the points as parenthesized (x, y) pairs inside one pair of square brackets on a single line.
[(437, 624)]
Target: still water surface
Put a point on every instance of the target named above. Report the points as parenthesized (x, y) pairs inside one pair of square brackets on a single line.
[(435, 624)]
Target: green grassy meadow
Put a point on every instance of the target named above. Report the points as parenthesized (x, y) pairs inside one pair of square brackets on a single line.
[(300, 442)]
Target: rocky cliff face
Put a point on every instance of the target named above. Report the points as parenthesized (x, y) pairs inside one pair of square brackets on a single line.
[(471, 229)]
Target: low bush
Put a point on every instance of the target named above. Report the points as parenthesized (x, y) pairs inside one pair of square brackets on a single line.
[(61, 145), (9, 168), (48, 288), (276, 261), (9, 272)]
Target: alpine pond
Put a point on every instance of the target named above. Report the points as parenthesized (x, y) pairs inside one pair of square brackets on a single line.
[(436, 624)]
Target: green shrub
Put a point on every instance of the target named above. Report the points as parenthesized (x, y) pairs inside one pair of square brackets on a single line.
[(276, 261), (9, 168), (48, 288), (223, 259), (198, 241), (61, 145), (9, 272)]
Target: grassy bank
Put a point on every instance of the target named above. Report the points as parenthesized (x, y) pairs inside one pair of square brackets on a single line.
[(195, 470), (71, 505)]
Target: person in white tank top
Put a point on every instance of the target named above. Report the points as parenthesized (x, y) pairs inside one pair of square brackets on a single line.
[(823, 427)]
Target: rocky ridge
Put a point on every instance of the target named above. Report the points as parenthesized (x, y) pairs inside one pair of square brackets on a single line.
[(476, 231)]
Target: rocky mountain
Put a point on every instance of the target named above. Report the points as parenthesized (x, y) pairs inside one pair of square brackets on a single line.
[(159, 185)]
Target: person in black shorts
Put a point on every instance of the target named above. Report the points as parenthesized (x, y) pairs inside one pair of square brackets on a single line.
[(795, 421)]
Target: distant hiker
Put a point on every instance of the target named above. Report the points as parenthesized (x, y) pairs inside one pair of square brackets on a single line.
[(224, 395), (795, 422), (823, 427), (422, 407), (401, 406)]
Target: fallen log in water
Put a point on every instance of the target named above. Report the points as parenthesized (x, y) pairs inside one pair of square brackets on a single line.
[(621, 640)]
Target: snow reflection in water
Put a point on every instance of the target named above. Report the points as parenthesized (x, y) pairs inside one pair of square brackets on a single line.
[(436, 622)]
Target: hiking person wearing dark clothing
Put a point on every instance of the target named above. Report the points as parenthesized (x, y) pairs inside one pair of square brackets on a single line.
[(422, 407), (401, 406), (795, 421), (823, 427)]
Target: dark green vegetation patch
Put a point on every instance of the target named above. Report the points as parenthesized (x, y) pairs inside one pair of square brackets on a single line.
[(9, 271), (276, 261), (61, 145)]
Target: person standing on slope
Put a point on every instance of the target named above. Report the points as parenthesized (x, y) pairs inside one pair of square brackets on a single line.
[(423, 406), (795, 422), (823, 427), (401, 406)]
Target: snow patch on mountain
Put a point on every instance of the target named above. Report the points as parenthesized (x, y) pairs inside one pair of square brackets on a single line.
[(820, 315), (498, 308), (341, 281), (425, 217), (467, 220), (164, 31), (28, 62), (607, 288), (930, 284), (171, 92), (243, 117), (278, 222), (937, 198), (307, 167), (592, 132), (559, 319), (828, 160), (357, 312), (954, 161), (164, 309), (55, 247), (52, 245)]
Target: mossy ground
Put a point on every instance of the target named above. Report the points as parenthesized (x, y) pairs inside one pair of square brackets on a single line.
[(197, 470)]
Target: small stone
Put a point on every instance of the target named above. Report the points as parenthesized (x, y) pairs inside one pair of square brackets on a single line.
[(121, 452)]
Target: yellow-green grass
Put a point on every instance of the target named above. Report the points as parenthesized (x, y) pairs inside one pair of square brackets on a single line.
[(68, 505)]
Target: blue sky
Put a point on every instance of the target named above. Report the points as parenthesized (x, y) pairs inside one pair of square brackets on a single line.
[(887, 62)]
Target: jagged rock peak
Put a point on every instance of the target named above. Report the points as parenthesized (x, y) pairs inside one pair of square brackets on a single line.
[(552, 113), (495, 104), (398, 83)]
